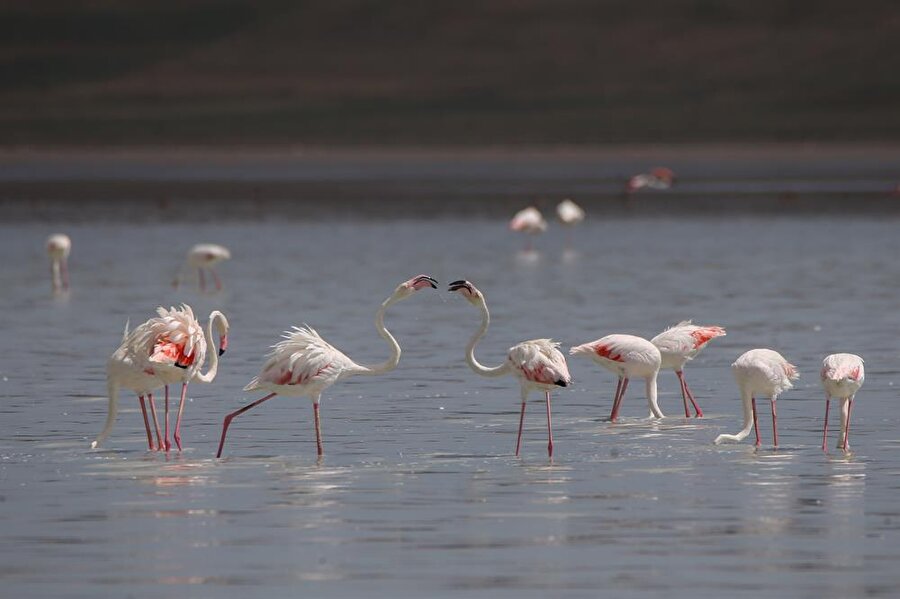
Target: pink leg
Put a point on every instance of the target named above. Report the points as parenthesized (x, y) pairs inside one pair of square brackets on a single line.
[(680, 375), (65, 273), (846, 444), (521, 423), (549, 429), (180, 412), (146, 422), (159, 441), (755, 421), (215, 277), (167, 445), (774, 422), (202, 279), (230, 417), (618, 404), (825, 427), (697, 411), (616, 398), (319, 450)]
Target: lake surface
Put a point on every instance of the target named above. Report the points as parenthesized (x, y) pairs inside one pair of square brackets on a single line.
[(419, 493)]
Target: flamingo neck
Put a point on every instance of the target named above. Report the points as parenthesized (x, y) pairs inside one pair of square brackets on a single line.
[(394, 359), (470, 349), (213, 350), (112, 388), (655, 412)]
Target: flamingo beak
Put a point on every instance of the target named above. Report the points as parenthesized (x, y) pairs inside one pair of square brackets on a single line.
[(457, 285), (180, 365), (422, 281), (223, 344)]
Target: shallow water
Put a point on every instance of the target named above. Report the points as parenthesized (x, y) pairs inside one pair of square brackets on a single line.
[(419, 494)]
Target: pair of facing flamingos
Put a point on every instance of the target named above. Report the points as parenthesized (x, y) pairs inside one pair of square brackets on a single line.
[(171, 348)]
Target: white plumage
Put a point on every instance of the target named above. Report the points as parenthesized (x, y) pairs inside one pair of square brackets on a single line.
[(842, 376), (569, 213), (760, 372), (626, 356), (203, 257), (59, 246), (658, 178), (529, 221), (681, 343)]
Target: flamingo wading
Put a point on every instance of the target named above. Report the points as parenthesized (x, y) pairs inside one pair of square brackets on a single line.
[(58, 248), (538, 364), (304, 364), (679, 344), (760, 372), (627, 356), (202, 257), (842, 377), (529, 221)]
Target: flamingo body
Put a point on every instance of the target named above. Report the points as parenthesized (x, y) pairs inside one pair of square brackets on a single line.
[(569, 213), (59, 246), (842, 376), (659, 178), (761, 372), (627, 356), (529, 221), (678, 345), (202, 257)]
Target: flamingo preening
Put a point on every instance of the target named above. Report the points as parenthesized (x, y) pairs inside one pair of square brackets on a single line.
[(529, 221), (304, 364), (58, 248), (760, 372), (166, 349), (538, 364), (203, 256), (626, 356), (679, 344), (842, 377)]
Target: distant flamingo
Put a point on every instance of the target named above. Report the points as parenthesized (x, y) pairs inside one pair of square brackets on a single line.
[(203, 256), (569, 214), (538, 364), (529, 221), (842, 377), (58, 248), (679, 344), (165, 349), (658, 178), (304, 364), (626, 356), (760, 372)]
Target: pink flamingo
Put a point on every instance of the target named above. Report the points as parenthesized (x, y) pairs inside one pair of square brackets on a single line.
[(529, 221), (204, 256), (569, 214), (760, 372), (58, 248), (842, 377), (626, 356), (679, 344), (304, 364), (538, 364), (658, 178)]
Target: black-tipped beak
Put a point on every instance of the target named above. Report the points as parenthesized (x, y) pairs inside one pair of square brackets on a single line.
[(457, 285), (221, 351), (179, 365), (425, 279)]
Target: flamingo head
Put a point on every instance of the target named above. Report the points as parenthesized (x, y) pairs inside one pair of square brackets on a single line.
[(407, 288), (222, 326), (468, 291)]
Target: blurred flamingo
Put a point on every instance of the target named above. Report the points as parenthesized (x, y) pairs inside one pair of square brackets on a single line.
[(203, 256), (679, 344), (529, 221), (58, 248), (658, 178), (569, 214), (842, 377)]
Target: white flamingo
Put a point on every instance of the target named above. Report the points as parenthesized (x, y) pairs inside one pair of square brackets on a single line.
[(760, 372), (529, 221), (304, 364), (203, 256), (538, 364), (627, 356), (842, 377), (679, 344), (165, 349), (58, 248), (569, 214), (658, 178)]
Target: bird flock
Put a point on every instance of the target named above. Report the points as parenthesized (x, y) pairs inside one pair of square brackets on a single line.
[(172, 347)]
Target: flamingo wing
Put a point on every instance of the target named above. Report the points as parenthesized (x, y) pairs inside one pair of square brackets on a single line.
[(621, 349), (686, 339), (300, 358), (540, 361)]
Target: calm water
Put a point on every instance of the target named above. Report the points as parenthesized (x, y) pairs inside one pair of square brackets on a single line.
[(419, 494)]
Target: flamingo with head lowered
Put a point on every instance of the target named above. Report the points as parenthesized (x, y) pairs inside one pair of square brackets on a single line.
[(304, 364), (842, 376), (760, 372), (679, 344), (202, 257), (627, 356), (538, 364), (58, 248)]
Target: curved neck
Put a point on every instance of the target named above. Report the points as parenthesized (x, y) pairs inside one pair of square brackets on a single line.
[(470, 349), (655, 412), (394, 359), (213, 350)]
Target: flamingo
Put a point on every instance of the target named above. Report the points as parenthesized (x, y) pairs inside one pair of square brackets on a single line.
[(203, 256), (304, 364), (627, 356), (569, 214), (163, 350), (760, 372), (658, 178), (58, 248), (538, 364), (842, 377), (681, 343), (529, 221)]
